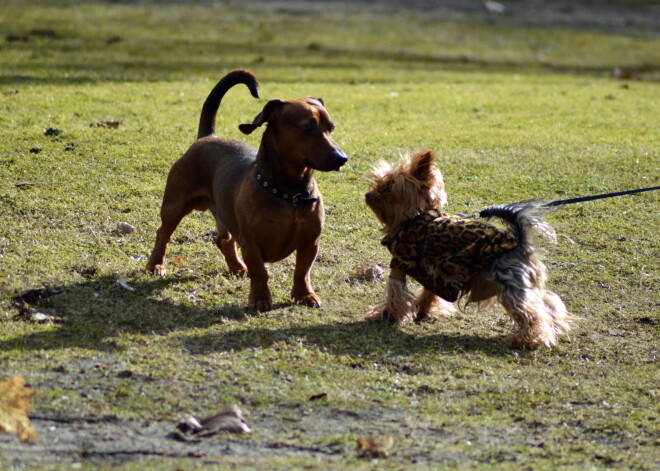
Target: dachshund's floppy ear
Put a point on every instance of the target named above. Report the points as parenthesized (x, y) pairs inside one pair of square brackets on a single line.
[(268, 113)]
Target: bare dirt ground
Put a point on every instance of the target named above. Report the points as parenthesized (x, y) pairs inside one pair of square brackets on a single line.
[(111, 441)]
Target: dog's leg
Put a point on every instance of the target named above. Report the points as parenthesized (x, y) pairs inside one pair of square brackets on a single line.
[(522, 306), (560, 319), (170, 215), (259, 297), (424, 301), (540, 316), (302, 291), (234, 262), (427, 302), (398, 303), (227, 245)]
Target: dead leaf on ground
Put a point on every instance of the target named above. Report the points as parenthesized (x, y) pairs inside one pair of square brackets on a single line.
[(230, 419), (186, 272), (28, 313), (15, 402), (125, 228), (121, 282), (32, 295), (363, 273), (378, 447)]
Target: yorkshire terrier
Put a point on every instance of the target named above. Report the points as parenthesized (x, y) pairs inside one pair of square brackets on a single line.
[(456, 257)]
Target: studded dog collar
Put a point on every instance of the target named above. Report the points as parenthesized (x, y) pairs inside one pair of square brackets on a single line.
[(303, 197)]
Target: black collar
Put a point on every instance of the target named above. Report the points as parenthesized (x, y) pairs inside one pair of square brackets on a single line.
[(303, 197)]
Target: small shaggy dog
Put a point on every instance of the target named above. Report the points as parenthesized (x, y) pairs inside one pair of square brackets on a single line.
[(456, 257)]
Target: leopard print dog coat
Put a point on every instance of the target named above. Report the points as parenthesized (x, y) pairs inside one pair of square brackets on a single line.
[(444, 252)]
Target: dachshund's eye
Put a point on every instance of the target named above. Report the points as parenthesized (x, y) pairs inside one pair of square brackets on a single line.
[(387, 188), (308, 128)]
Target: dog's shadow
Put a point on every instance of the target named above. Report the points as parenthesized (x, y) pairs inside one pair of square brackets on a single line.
[(355, 338), (87, 317), (86, 314)]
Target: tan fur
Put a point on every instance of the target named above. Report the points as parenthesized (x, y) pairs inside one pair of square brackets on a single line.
[(516, 279), (397, 305), (415, 185)]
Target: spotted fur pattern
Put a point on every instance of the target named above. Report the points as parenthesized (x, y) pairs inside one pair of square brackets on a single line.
[(444, 252)]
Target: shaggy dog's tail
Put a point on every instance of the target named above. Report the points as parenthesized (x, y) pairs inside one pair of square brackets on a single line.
[(523, 218), (541, 315)]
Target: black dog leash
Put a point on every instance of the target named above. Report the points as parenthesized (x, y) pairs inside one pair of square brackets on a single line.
[(598, 197), (575, 200)]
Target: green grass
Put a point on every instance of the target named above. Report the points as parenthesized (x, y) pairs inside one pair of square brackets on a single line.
[(513, 113)]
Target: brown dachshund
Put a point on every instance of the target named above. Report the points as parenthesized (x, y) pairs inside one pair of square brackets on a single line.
[(265, 200)]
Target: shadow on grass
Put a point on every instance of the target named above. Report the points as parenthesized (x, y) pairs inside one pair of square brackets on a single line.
[(92, 314), (355, 338), (88, 314), (185, 61)]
